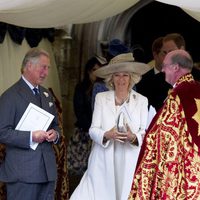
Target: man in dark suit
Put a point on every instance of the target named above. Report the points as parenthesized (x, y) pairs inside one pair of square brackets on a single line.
[(153, 84), (174, 41), (28, 174)]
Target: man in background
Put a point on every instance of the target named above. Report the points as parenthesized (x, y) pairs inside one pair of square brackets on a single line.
[(173, 41), (153, 84)]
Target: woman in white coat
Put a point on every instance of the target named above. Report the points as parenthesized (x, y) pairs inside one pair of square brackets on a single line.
[(117, 130)]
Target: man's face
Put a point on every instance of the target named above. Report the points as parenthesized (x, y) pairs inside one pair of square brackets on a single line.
[(37, 72), (158, 57), (167, 47), (169, 69)]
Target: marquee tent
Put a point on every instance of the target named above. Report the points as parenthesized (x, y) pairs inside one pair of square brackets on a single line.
[(56, 13)]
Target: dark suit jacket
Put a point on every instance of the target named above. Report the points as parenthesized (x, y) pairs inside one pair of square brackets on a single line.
[(154, 87), (21, 162), (196, 73)]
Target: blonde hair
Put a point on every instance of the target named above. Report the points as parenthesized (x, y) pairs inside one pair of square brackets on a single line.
[(134, 78)]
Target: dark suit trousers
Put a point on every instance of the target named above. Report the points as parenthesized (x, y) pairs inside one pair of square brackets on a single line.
[(30, 191)]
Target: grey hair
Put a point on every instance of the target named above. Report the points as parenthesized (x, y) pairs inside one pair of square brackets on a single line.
[(134, 78), (33, 56), (184, 61)]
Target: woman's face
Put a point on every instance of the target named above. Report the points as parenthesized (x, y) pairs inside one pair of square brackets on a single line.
[(91, 73), (121, 81)]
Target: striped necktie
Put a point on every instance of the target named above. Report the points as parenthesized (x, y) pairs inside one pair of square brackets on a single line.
[(37, 96)]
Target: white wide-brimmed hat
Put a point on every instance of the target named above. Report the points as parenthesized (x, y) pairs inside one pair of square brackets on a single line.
[(122, 63)]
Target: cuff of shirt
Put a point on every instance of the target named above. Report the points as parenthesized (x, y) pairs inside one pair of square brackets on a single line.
[(57, 138)]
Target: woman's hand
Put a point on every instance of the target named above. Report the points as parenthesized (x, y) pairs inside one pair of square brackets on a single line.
[(113, 134), (131, 137)]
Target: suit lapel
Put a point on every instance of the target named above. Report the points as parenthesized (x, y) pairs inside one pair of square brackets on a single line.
[(44, 98), (47, 100), (25, 92)]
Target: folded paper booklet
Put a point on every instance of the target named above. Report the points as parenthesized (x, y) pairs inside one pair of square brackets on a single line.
[(33, 119)]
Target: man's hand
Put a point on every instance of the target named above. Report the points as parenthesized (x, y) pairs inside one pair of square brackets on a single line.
[(39, 136), (51, 135)]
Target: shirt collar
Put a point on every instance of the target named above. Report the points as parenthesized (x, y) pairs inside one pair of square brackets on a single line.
[(28, 83), (156, 71)]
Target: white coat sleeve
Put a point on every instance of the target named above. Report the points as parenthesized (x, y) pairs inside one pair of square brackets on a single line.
[(96, 132)]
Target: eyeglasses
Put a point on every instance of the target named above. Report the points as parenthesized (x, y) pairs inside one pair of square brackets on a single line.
[(167, 65)]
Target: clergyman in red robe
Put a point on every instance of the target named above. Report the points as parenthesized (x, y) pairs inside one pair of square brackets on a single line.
[(169, 163)]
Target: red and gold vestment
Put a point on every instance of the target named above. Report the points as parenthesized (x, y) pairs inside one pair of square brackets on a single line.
[(169, 163)]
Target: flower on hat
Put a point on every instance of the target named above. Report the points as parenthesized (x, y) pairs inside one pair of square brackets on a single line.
[(117, 47)]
